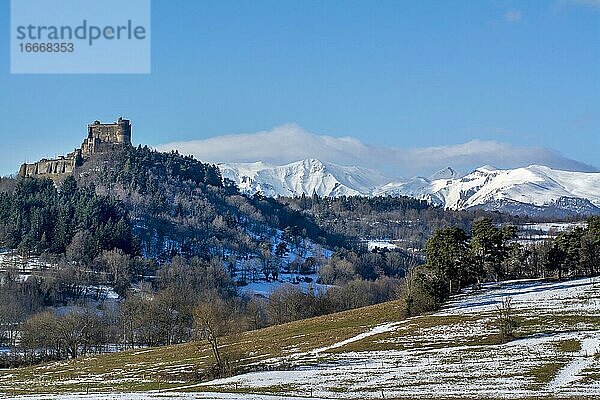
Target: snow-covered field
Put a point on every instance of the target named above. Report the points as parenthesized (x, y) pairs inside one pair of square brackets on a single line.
[(535, 232), (446, 360), (157, 396), (264, 288), (450, 354)]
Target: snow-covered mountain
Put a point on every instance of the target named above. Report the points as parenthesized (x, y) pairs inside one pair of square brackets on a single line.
[(303, 177), (535, 190)]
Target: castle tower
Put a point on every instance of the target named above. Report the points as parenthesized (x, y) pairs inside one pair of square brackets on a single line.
[(124, 131), (106, 137)]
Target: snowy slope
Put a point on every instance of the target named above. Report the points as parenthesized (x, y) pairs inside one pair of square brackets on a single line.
[(446, 173), (536, 185), (303, 177), (450, 354)]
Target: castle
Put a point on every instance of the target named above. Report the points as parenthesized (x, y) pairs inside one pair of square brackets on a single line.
[(101, 138)]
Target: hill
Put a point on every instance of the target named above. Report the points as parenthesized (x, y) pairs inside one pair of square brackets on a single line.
[(183, 206), (359, 353), (172, 204)]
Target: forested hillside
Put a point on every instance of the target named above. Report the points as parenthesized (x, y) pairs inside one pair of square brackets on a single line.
[(179, 205), (406, 220), (38, 218)]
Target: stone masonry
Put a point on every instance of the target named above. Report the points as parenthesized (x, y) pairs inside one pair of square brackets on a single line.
[(101, 138)]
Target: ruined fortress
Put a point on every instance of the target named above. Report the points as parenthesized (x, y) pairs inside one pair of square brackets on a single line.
[(101, 138)]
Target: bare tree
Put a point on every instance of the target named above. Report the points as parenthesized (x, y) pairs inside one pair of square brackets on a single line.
[(256, 314), (12, 315), (117, 265), (506, 321), (214, 319)]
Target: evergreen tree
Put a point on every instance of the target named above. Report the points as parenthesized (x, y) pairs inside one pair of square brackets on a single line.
[(447, 258), (487, 249)]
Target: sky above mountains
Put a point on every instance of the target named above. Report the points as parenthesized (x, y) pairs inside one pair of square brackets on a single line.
[(289, 143), (417, 85)]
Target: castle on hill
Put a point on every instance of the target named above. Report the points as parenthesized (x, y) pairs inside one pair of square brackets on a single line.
[(101, 138)]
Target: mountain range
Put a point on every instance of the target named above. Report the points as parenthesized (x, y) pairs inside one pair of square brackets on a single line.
[(303, 177), (534, 190)]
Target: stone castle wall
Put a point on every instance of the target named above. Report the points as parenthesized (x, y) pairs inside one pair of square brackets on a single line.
[(49, 168), (101, 138)]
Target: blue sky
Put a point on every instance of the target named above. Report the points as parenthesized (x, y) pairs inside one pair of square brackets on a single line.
[(390, 73)]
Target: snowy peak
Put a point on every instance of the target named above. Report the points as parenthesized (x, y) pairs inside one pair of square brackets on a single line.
[(446, 173), (307, 176), (534, 190), (535, 185), (487, 169)]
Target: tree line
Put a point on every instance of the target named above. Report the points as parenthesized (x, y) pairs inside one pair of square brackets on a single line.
[(405, 220), (455, 259), (166, 311)]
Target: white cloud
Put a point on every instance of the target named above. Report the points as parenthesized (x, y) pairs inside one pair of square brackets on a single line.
[(288, 143), (513, 15)]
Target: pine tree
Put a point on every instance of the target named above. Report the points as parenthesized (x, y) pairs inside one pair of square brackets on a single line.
[(487, 249), (447, 257)]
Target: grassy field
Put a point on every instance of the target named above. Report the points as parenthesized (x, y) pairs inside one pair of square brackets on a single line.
[(172, 366), (370, 353)]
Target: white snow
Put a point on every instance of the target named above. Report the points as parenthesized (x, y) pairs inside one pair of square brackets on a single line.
[(534, 185), (380, 244), (573, 371), (264, 288), (375, 331), (510, 189)]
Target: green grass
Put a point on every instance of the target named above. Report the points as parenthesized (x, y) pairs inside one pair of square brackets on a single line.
[(569, 346), (546, 372), (404, 338), (173, 366)]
